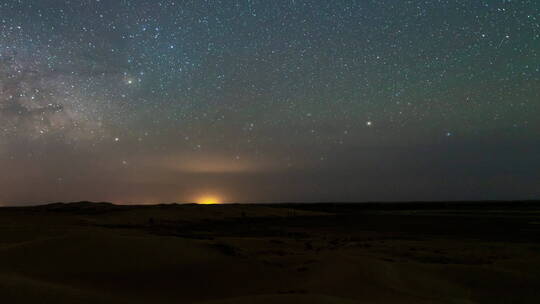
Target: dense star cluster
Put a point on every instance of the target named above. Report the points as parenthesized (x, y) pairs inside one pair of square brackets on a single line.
[(255, 100)]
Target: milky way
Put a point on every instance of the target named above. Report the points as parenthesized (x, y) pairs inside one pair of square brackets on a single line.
[(287, 100)]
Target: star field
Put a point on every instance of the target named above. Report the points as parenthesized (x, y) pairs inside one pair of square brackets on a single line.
[(252, 100)]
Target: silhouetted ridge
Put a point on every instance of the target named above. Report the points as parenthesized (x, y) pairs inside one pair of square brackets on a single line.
[(79, 207)]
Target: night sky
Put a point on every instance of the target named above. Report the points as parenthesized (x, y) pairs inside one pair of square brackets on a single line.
[(146, 101)]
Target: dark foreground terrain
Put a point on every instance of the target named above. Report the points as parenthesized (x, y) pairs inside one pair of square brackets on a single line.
[(319, 253)]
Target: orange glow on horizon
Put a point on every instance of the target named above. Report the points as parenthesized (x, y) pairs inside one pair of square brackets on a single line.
[(209, 200)]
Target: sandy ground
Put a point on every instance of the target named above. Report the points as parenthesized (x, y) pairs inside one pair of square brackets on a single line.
[(101, 253)]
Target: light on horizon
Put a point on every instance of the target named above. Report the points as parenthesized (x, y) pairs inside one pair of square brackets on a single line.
[(209, 200)]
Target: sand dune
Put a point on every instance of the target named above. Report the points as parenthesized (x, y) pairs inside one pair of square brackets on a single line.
[(255, 254)]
